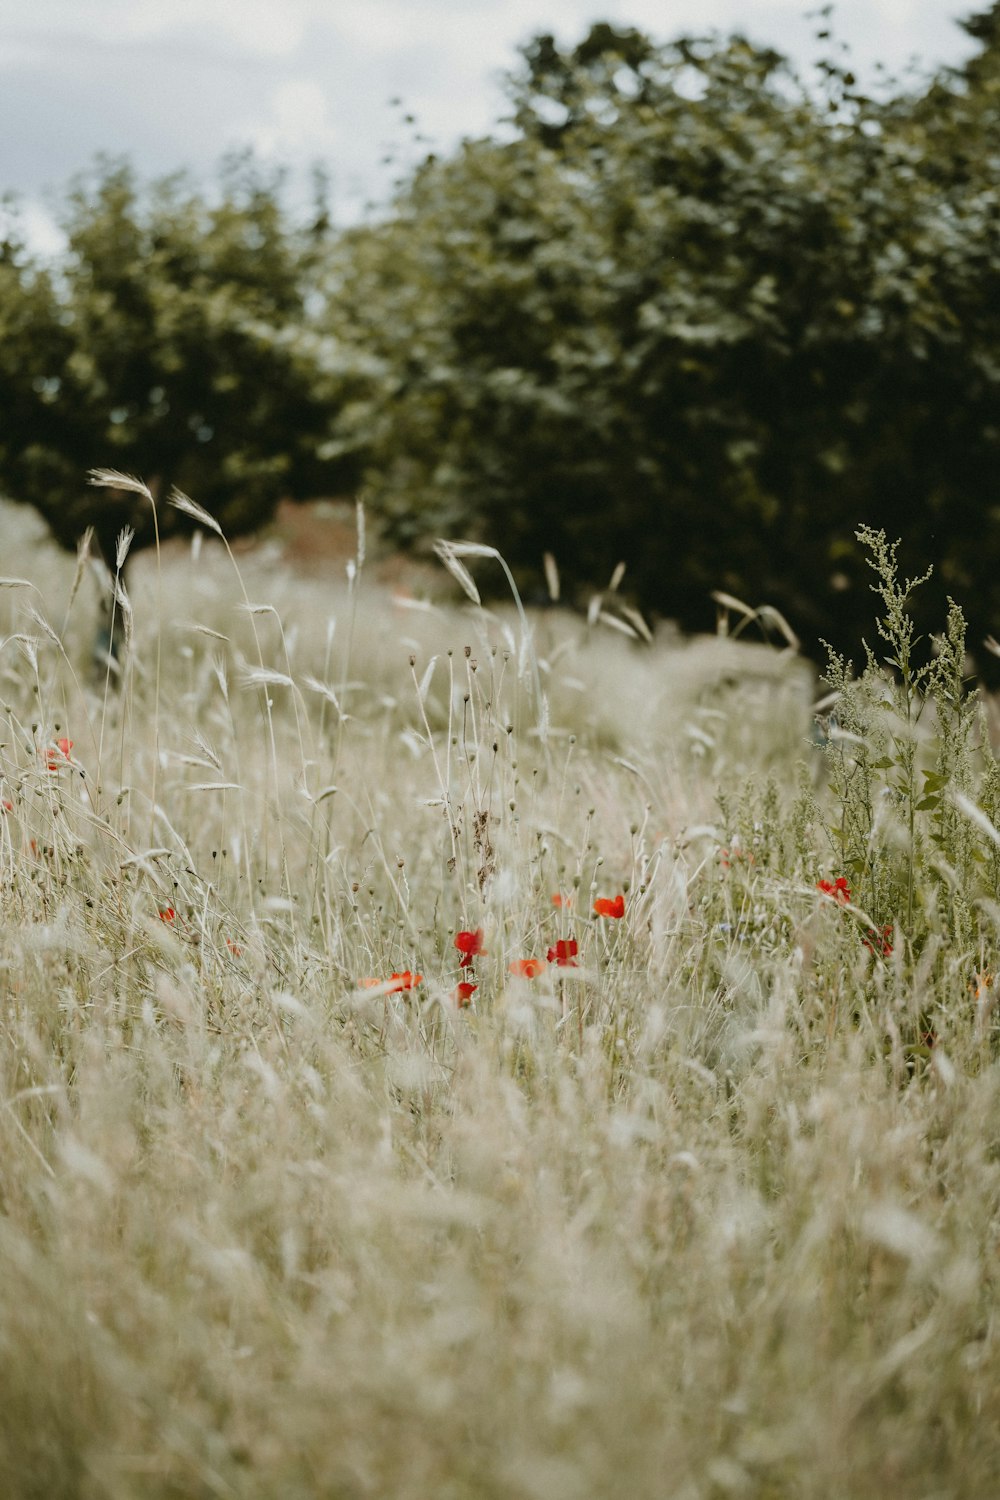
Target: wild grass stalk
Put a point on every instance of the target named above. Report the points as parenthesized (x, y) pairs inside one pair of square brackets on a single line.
[(695, 1193)]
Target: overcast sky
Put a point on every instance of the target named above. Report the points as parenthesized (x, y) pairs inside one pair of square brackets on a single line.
[(177, 82)]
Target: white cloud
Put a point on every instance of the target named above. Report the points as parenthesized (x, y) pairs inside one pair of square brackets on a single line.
[(476, 30), (270, 28), (297, 122), (41, 232), (481, 34), (174, 82), (267, 28)]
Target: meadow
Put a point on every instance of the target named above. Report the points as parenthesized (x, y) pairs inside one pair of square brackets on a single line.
[(452, 1053)]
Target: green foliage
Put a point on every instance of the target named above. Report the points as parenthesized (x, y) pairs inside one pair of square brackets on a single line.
[(698, 318), (175, 339), (914, 780), (909, 889), (680, 311)]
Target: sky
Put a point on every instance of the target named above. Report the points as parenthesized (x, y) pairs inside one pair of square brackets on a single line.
[(177, 83)]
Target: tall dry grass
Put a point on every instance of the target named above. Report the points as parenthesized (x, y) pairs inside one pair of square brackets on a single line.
[(688, 1220)]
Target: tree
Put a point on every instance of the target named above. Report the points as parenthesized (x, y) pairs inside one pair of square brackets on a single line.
[(695, 316), (174, 340)]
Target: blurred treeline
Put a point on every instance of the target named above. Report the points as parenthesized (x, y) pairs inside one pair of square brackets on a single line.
[(683, 311)]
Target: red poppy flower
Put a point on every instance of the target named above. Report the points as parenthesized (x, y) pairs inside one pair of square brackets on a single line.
[(58, 753), (564, 953), (558, 900), (469, 944), (464, 993), (167, 914), (880, 942), (527, 968), (610, 906), (838, 889), (8, 805), (234, 948), (404, 981)]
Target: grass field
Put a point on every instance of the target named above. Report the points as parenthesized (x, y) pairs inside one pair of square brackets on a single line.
[(707, 1206)]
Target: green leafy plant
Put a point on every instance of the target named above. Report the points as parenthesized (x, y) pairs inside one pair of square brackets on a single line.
[(175, 337), (695, 316), (910, 762)]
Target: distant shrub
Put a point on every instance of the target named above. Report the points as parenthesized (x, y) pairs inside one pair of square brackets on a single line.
[(698, 318), (172, 339)]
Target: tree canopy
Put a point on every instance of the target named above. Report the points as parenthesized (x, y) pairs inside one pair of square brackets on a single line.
[(174, 340), (698, 317)]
